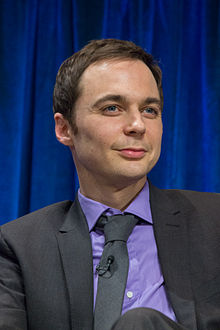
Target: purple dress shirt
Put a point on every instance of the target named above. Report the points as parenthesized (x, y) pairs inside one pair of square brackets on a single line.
[(145, 283)]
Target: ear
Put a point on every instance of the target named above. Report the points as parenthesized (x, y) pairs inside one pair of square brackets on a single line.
[(63, 130)]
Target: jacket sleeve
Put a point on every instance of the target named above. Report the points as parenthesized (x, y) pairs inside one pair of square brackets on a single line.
[(12, 296)]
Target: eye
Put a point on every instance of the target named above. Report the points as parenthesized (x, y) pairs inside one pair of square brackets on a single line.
[(150, 112), (111, 110)]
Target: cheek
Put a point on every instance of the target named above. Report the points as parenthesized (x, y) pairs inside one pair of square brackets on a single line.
[(155, 139), (157, 133), (93, 140), (99, 134)]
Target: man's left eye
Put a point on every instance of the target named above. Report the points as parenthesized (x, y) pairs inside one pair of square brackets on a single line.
[(150, 111)]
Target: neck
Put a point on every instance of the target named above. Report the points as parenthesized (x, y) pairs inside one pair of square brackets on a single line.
[(115, 197)]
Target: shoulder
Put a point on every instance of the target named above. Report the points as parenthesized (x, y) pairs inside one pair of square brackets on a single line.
[(196, 198), (201, 200), (48, 218), (201, 209), (204, 205)]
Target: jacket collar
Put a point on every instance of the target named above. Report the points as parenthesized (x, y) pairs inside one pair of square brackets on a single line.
[(171, 212), (76, 256)]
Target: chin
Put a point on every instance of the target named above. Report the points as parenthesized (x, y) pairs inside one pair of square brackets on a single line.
[(136, 172), (127, 178)]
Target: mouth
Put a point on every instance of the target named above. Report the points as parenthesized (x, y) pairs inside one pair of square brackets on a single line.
[(134, 153)]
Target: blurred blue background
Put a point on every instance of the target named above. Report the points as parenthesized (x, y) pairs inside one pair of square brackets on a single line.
[(37, 35)]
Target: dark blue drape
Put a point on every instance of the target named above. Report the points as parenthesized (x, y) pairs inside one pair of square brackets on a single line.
[(37, 35)]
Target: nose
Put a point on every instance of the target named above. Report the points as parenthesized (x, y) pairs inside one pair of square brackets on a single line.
[(135, 124)]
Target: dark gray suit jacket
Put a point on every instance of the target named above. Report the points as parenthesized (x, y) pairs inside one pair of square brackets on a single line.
[(46, 280)]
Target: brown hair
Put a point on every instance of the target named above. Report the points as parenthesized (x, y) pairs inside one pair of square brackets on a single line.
[(66, 90)]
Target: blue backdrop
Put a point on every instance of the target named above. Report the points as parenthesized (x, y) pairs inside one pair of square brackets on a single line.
[(37, 35)]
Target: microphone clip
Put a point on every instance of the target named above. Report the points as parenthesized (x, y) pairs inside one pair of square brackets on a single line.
[(102, 269)]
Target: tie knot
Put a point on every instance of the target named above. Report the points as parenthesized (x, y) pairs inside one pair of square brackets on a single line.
[(117, 227)]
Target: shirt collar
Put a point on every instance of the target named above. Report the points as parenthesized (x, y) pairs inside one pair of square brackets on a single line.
[(140, 207)]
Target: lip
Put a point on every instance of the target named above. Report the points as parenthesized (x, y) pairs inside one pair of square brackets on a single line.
[(132, 153)]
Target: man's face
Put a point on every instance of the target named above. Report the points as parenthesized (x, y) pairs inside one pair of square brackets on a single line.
[(118, 117)]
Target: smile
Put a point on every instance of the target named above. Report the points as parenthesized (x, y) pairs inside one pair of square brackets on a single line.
[(132, 153)]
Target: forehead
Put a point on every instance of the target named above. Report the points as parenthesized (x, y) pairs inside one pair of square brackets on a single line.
[(121, 76)]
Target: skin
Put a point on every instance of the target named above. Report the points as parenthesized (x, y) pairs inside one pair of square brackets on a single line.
[(118, 142)]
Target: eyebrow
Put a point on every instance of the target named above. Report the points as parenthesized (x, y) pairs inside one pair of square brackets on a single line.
[(109, 97), (150, 100), (153, 100), (122, 99)]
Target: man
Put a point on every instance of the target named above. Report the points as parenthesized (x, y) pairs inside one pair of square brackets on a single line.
[(107, 107)]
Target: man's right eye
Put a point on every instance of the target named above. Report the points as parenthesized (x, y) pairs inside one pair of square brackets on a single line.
[(111, 108)]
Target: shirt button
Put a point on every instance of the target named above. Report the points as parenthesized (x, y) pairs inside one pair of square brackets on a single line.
[(130, 294)]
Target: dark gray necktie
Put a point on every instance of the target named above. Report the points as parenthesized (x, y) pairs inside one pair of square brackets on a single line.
[(112, 269)]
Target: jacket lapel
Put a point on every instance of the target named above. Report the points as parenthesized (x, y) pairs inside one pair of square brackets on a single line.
[(170, 215), (76, 255)]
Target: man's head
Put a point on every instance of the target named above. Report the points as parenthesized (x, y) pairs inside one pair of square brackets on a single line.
[(115, 130), (67, 87)]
